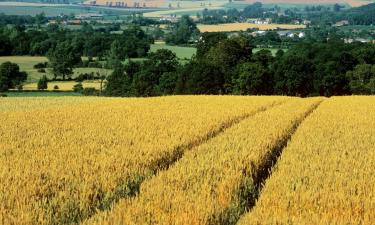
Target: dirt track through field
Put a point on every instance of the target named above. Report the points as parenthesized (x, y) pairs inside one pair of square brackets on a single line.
[(261, 176)]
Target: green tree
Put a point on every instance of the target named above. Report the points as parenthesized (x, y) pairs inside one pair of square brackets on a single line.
[(294, 76), (253, 79), (362, 79), (43, 83), (119, 82), (63, 59), (11, 76), (226, 55), (209, 40), (116, 53), (183, 31), (78, 87), (146, 81)]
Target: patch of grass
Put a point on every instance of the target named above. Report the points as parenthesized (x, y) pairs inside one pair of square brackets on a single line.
[(27, 63), (181, 52), (55, 10)]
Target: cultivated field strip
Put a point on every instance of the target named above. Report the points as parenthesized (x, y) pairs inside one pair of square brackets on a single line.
[(21, 104), (215, 182), (60, 165), (326, 174)]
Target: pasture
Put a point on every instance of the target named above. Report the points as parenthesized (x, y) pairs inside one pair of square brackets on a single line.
[(187, 160), (181, 52), (26, 63)]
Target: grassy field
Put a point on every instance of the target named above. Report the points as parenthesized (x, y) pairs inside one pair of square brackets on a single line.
[(27, 63), (244, 26), (187, 160), (181, 52), (26, 8)]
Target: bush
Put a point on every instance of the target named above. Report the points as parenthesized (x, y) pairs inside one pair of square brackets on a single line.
[(41, 65), (95, 65), (3, 95), (41, 70), (43, 83), (19, 87), (56, 87), (78, 88), (90, 92), (86, 76)]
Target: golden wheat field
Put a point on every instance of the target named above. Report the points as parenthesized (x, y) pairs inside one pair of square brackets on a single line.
[(187, 160)]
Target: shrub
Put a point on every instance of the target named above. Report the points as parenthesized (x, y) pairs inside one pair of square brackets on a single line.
[(78, 88), (56, 87), (90, 92), (43, 83), (41, 65)]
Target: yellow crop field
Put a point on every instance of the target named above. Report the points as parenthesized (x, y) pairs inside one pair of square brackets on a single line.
[(206, 185), (228, 27), (196, 160), (59, 165), (326, 174), (21, 104)]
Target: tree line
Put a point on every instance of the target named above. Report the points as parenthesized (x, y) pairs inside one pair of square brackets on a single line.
[(19, 40), (226, 65)]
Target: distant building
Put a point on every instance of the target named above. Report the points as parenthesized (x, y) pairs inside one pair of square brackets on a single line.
[(172, 19), (341, 23), (351, 40), (260, 21), (89, 16), (74, 22), (258, 33), (301, 35)]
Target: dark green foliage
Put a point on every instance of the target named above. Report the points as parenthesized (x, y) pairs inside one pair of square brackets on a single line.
[(41, 65), (90, 92), (146, 81), (10, 76), (294, 76), (253, 79), (207, 41), (362, 79), (78, 88), (182, 31), (43, 83), (62, 60), (203, 77), (119, 82), (226, 55)]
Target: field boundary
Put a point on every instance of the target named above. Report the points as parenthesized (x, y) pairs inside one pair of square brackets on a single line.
[(251, 188), (131, 188)]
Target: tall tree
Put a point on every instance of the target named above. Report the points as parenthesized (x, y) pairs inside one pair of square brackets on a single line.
[(182, 31), (254, 79), (63, 59), (11, 76)]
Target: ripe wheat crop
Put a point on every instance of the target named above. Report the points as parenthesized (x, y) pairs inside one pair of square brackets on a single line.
[(61, 164), (326, 174), (212, 183)]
